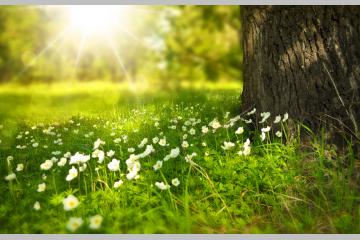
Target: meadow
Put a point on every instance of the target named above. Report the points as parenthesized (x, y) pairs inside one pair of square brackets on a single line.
[(98, 158)]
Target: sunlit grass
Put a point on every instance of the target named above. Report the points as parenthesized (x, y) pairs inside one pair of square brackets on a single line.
[(281, 186)]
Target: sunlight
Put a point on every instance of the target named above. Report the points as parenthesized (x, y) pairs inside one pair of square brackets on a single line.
[(98, 20)]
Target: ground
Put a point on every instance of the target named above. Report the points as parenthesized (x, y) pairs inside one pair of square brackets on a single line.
[(207, 182)]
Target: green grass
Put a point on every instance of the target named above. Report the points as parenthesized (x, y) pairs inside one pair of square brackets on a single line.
[(283, 186)]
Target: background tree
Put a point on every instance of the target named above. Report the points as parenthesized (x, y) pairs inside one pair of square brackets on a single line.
[(304, 60)]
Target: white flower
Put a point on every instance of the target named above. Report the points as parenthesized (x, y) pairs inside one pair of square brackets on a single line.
[(98, 143), (148, 150), (175, 182), (204, 144), (79, 158), (278, 134), (162, 142), (248, 121), (251, 112), (277, 119), (162, 185), (204, 129), (67, 155), (10, 177), (173, 154), (46, 165), (56, 153), (41, 187), (20, 167), (98, 154), (62, 162), (82, 167), (262, 136), (265, 130), (35, 145), (192, 131), (156, 124), (70, 202), (240, 130), (131, 150), (132, 175), (117, 184), (246, 148), (114, 165), (110, 153), (228, 145), (95, 222), (155, 140), (265, 116), (37, 206), (43, 176), (183, 128), (215, 124), (117, 140), (143, 142), (157, 165), (74, 223), (185, 144), (286, 116), (189, 157), (73, 172)]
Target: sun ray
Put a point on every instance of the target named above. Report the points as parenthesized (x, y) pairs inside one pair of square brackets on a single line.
[(50, 45)]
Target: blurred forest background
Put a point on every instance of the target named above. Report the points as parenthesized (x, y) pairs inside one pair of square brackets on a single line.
[(162, 44)]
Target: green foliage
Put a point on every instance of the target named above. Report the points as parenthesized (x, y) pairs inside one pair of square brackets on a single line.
[(283, 186)]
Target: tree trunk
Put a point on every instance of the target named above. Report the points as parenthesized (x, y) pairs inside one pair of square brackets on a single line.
[(304, 60)]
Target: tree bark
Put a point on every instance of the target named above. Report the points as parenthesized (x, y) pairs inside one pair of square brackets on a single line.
[(304, 60)]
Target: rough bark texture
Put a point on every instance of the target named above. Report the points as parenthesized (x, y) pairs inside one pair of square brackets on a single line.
[(304, 60)]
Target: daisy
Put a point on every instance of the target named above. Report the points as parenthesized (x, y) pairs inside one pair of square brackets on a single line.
[(157, 165), (19, 167), (162, 142), (215, 124), (204, 129), (162, 185), (41, 187), (95, 222), (251, 112), (240, 130), (70, 202), (79, 158), (286, 116), (46, 165), (175, 182), (117, 184), (62, 162), (114, 165), (72, 174), (10, 177), (227, 145), (277, 119), (110, 153), (155, 140), (185, 144), (265, 116), (98, 143), (37, 206), (266, 129), (74, 223)]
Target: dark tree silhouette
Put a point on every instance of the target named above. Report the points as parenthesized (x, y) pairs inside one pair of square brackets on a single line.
[(304, 60)]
